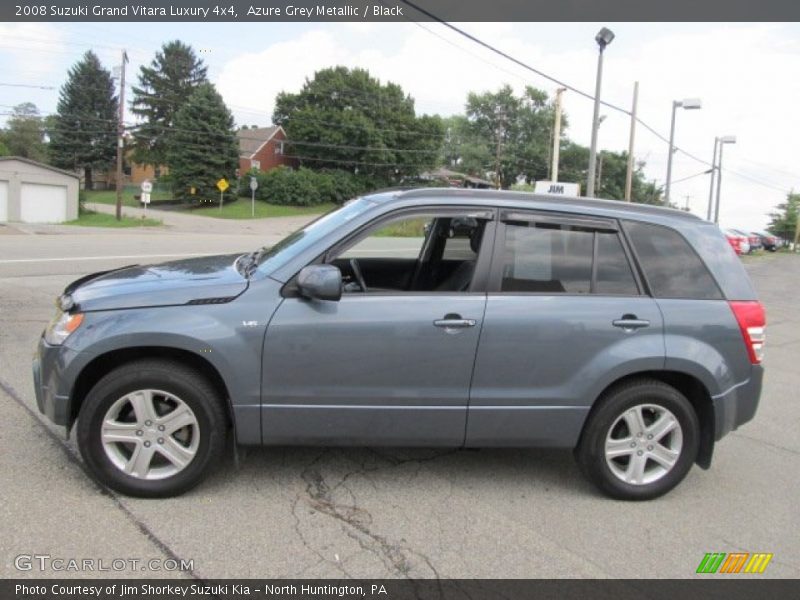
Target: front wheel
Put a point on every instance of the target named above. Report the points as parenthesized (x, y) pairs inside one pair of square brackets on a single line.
[(640, 441), (151, 429)]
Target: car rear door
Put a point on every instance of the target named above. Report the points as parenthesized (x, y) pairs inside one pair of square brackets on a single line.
[(566, 314)]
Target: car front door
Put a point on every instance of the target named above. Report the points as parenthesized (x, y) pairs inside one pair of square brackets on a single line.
[(387, 366), (566, 313)]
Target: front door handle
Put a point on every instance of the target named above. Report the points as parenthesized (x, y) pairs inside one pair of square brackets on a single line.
[(630, 323), (453, 321)]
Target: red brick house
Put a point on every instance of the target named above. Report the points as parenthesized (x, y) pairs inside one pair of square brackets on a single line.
[(262, 148)]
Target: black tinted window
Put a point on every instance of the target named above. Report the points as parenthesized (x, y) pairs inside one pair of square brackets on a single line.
[(614, 274), (671, 266), (547, 258)]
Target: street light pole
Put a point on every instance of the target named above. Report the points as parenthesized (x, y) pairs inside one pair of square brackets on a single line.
[(629, 173), (711, 187), (688, 103), (603, 38), (556, 135), (726, 139)]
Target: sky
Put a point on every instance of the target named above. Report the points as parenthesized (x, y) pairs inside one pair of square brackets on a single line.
[(746, 75)]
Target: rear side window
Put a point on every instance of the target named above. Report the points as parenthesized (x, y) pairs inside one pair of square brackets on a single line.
[(614, 274), (672, 268), (559, 259)]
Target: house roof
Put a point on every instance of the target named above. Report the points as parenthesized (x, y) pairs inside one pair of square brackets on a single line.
[(442, 173), (251, 140), (35, 163)]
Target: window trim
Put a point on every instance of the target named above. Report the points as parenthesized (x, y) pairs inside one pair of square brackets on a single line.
[(597, 225)]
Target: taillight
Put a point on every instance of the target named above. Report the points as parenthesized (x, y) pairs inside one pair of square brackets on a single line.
[(752, 322)]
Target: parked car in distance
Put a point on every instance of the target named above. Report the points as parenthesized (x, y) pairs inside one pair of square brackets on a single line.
[(752, 239), (743, 240), (768, 241), (624, 332), (735, 241)]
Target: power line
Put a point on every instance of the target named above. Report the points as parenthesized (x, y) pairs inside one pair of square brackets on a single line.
[(572, 88), (28, 85)]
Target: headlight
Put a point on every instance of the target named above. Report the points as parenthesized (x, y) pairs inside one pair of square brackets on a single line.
[(62, 325)]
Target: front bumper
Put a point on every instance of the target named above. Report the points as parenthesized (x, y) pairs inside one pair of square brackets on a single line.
[(49, 381), (738, 405)]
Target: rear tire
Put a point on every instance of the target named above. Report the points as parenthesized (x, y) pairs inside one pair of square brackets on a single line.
[(640, 440), (151, 428)]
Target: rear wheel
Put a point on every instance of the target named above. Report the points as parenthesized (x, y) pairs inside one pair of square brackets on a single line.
[(151, 429), (640, 441)]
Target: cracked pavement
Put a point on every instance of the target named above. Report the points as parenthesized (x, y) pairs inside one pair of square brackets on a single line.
[(378, 512)]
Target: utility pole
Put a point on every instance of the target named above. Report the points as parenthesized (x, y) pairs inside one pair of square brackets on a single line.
[(120, 133), (686, 207), (501, 131), (599, 170), (557, 135), (629, 174)]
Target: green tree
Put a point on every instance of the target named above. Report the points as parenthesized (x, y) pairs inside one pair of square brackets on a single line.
[(163, 88), (611, 171), (514, 131), (783, 221), (84, 133), (4, 151), (25, 133), (462, 150), (346, 119), (202, 147)]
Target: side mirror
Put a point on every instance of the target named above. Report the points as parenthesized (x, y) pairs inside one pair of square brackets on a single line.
[(320, 282)]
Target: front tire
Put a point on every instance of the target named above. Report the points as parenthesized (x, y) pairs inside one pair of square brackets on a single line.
[(640, 441), (151, 428)]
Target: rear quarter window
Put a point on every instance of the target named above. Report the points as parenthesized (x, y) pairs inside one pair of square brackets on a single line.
[(672, 268)]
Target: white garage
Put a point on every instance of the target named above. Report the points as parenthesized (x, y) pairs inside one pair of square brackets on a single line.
[(32, 192), (3, 201)]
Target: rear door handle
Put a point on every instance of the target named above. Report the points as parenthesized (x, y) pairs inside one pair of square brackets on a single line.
[(630, 323), (452, 321)]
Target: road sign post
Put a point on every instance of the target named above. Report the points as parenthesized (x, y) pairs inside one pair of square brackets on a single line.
[(147, 187), (222, 185), (253, 188)]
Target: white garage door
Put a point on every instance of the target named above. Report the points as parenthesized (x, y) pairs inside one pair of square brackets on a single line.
[(3, 201), (43, 203)]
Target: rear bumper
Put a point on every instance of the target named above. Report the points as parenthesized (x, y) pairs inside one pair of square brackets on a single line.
[(738, 405)]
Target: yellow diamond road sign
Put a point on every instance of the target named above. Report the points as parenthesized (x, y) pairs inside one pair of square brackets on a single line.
[(223, 185)]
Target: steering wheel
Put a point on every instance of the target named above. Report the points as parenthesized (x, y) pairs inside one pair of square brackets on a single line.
[(359, 276)]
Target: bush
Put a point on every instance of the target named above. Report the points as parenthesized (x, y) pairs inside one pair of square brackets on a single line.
[(304, 187)]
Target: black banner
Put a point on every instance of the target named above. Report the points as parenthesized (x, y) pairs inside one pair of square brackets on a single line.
[(399, 10), (731, 588)]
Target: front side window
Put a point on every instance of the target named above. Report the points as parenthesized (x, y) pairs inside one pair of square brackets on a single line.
[(413, 253)]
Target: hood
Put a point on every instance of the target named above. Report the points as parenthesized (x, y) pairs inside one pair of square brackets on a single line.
[(202, 280)]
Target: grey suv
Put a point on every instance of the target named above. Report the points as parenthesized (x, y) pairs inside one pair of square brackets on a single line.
[(453, 318)]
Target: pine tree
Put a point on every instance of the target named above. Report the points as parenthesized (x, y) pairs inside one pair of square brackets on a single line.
[(163, 89), (202, 147), (84, 134)]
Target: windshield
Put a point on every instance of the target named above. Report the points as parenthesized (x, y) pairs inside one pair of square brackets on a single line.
[(316, 230)]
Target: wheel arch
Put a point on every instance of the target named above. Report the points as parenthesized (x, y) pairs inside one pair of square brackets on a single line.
[(104, 363), (688, 385)]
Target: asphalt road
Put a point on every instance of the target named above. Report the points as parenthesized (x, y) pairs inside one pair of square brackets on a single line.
[(311, 512)]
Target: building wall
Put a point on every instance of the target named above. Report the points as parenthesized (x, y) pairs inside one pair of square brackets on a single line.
[(15, 173), (266, 158)]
